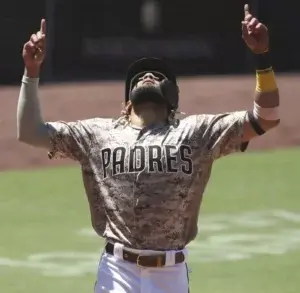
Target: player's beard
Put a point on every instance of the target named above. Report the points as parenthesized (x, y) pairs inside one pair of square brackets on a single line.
[(147, 93)]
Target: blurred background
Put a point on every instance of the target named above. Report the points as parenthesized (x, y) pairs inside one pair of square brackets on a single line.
[(98, 39), (249, 226)]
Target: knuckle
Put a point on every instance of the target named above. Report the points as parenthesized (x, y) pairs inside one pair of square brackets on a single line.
[(263, 26), (248, 17)]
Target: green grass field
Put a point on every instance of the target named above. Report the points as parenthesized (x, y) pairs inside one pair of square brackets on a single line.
[(249, 238)]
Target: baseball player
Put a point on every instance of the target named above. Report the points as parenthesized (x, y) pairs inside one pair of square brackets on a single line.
[(145, 172)]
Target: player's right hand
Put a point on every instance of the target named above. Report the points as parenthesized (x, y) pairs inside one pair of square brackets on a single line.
[(34, 50)]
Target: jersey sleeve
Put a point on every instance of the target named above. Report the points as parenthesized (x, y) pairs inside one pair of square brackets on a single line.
[(67, 140), (221, 134)]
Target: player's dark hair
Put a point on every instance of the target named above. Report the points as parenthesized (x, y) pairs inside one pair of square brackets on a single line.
[(127, 110)]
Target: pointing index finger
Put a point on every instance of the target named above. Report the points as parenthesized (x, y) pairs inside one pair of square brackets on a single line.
[(43, 26), (246, 9)]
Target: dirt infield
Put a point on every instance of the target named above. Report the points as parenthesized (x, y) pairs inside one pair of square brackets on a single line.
[(74, 101)]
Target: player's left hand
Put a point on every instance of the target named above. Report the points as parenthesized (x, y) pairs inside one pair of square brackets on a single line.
[(254, 33)]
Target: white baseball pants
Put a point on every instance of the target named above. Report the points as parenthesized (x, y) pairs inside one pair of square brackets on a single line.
[(118, 276)]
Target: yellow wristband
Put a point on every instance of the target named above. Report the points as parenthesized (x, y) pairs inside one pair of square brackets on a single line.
[(265, 80)]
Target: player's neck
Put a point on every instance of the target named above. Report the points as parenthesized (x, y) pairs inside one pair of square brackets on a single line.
[(149, 114)]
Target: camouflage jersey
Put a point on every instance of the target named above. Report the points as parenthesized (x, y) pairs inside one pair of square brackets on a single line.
[(145, 186)]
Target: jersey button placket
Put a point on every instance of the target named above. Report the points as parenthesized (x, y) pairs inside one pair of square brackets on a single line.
[(135, 175)]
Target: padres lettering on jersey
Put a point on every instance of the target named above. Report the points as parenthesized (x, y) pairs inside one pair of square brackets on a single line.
[(145, 191), (152, 158)]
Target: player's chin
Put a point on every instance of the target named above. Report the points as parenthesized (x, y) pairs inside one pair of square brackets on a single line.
[(148, 102), (147, 94)]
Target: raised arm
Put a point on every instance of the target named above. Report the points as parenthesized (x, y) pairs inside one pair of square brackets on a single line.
[(62, 139), (31, 128), (265, 114)]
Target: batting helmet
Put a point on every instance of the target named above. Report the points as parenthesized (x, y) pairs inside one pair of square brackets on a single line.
[(144, 65)]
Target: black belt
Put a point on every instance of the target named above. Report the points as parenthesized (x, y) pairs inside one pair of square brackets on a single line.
[(151, 261)]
